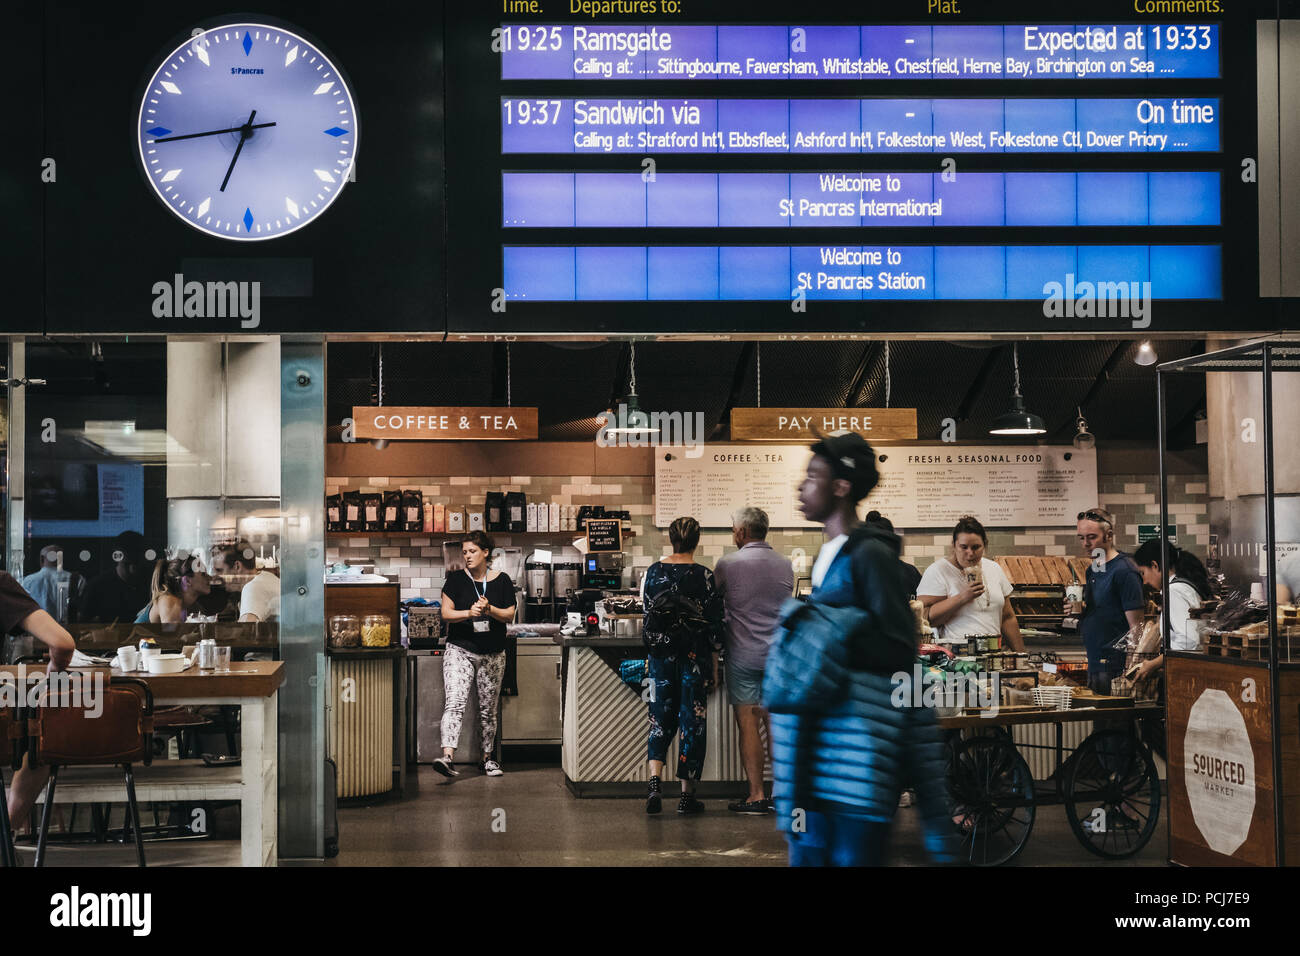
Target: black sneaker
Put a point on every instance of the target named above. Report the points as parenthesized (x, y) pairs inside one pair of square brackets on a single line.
[(444, 767), (653, 801), (688, 804), (751, 806)]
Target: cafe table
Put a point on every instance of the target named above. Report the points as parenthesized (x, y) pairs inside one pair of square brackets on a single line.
[(253, 686)]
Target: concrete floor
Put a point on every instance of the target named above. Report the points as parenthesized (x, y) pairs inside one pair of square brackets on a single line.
[(529, 818)]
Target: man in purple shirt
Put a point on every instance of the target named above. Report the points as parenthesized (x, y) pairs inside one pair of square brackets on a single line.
[(753, 581)]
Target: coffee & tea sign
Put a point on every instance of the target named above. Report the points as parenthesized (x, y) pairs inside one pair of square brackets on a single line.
[(445, 423)]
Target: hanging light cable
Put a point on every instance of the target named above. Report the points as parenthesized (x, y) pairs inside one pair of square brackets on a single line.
[(758, 373), (380, 443), (887, 381), (508, 402), (636, 421)]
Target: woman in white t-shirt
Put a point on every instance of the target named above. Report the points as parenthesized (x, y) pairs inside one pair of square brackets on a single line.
[(961, 608)]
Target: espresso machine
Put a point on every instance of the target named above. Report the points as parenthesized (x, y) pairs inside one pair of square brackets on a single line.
[(603, 571)]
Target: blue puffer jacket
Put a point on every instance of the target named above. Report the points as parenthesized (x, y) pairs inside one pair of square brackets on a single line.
[(857, 757)]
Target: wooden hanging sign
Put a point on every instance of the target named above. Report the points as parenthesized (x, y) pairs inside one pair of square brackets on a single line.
[(445, 423), (802, 424)]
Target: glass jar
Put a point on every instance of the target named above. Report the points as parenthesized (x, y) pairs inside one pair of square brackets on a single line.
[(376, 630), (345, 630)]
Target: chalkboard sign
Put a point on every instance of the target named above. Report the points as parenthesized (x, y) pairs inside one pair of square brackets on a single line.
[(604, 535)]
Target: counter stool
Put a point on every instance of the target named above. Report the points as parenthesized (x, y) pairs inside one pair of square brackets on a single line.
[(63, 735)]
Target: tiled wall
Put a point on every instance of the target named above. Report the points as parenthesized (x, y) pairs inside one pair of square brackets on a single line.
[(417, 559)]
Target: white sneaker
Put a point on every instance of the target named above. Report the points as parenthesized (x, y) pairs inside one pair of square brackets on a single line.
[(444, 767), (492, 769)]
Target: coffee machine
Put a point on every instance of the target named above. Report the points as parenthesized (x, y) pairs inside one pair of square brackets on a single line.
[(603, 571)]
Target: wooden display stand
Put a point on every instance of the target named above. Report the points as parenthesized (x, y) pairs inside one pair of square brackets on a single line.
[(1223, 766)]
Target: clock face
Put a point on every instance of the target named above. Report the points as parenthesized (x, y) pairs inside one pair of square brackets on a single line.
[(247, 132)]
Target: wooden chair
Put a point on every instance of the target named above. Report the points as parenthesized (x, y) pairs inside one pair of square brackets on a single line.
[(11, 747), (64, 735)]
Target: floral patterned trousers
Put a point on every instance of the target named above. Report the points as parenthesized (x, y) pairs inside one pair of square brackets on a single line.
[(679, 698)]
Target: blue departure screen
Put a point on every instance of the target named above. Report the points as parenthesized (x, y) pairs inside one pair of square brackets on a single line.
[(909, 52), (967, 125), (757, 273), (1131, 176)]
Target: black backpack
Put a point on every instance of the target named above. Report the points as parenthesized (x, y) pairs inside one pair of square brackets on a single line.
[(672, 620)]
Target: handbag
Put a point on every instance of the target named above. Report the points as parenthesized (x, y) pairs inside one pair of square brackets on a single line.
[(807, 669), (632, 672)]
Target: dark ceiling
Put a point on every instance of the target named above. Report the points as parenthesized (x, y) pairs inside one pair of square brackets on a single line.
[(969, 382)]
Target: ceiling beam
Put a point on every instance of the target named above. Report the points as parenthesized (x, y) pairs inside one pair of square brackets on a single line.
[(738, 376), (856, 385), (980, 382), (1103, 376)]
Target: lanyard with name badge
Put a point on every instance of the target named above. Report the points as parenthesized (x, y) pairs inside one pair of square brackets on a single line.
[(480, 626)]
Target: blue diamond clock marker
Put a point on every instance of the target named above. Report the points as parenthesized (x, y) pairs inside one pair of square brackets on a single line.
[(248, 220), (335, 131), (158, 131), (248, 42)]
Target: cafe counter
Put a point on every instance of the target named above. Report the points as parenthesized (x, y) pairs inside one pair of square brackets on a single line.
[(606, 724)]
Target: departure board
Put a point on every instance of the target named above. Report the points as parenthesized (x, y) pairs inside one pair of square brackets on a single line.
[(848, 176)]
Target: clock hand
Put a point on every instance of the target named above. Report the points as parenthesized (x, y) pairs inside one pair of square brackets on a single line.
[(245, 131), (234, 129)]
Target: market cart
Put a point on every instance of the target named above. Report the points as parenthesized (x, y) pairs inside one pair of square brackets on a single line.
[(1108, 784)]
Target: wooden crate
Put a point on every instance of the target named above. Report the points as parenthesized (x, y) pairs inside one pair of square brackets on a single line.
[(1050, 571)]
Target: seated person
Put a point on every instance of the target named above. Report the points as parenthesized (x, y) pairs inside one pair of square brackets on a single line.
[(18, 612), (259, 591), (178, 586), (118, 594)]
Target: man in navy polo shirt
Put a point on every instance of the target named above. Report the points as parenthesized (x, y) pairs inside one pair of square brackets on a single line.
[(1113, 600)]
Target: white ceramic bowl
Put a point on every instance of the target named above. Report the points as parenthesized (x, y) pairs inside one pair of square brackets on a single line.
[(165, 663)]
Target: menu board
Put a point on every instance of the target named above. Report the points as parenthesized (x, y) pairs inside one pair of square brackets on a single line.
[(604, 535), (921, 486)]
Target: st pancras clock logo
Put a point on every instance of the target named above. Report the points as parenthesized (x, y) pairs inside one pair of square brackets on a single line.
[(247, 132)]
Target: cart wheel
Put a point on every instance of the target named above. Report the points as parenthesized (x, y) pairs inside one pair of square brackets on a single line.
[(1112, 794), (991, 796)]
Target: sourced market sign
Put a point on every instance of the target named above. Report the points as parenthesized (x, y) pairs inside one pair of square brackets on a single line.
[(804, 424), (1219, 771), (921, 486), (604, 535), (445, 423)]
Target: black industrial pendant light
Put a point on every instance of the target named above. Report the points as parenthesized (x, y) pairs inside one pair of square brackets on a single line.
[(1016, 420), (633, 422)]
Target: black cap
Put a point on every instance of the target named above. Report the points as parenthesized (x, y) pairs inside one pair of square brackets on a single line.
[(852, 459)]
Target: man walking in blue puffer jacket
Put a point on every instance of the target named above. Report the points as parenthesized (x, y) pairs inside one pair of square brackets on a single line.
[(838, 774)]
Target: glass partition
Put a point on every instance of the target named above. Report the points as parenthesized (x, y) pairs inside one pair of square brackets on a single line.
[(149, 501)]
